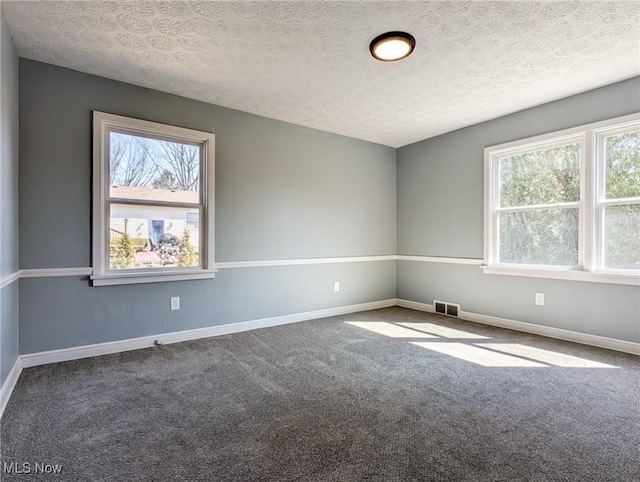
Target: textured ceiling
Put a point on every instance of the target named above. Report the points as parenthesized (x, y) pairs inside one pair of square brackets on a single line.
[(309, 63)]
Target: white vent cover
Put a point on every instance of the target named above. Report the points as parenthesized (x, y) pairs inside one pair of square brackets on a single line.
[(446, 308)]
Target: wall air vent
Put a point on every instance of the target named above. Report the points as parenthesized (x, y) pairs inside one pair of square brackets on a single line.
[(446, 308)]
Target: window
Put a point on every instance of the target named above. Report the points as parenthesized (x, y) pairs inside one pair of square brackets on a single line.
[(567, 204), (193, 220), (618, 207), (152, 202)]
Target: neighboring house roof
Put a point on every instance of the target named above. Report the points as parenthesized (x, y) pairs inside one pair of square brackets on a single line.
[(150, 194)]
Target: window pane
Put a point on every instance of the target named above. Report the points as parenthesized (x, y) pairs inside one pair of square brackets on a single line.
[(545, 237), (152, 237), (622, 165), (152, 169), (541, 177), (622, 237), (193, 220)]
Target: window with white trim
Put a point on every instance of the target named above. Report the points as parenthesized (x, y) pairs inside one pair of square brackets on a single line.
[(153, 213), (566, 204)]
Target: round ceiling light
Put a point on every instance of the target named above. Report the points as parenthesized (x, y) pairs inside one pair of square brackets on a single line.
[(392, 46)]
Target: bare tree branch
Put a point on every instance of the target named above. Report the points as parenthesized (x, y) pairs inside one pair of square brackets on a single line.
[(131, 163), (185, 163)]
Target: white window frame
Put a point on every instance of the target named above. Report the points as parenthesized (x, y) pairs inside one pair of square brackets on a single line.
[(102, 275), (591, 205), (600, 201)]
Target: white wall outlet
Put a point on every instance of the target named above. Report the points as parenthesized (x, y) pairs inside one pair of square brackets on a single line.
[(540, 299), (175, 303), (336, 286)]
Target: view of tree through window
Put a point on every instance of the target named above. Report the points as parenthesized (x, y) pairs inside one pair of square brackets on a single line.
[(529, 233), (152, 163), (159, 179), (622, 220)]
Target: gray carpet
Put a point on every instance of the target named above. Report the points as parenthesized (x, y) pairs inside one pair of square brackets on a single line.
[(325, 400)]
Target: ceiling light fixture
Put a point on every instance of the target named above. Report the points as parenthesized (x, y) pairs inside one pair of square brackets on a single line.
[(392, 46)]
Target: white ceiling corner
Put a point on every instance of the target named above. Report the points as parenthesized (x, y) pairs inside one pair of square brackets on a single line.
[(308, 62)]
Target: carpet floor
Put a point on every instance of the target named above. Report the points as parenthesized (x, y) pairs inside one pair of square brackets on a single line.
[(384, 395)]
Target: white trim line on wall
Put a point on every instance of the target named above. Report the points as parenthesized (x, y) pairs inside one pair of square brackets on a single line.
[(548, 331), (73, 353), (574, 276), (87, 271), (295, 262), (82, 271), (439, 259), (54, 272), (7, 280), (9, 384)]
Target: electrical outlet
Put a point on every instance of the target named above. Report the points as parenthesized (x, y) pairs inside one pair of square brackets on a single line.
[(540, 299), (336, 286), (175, 303)]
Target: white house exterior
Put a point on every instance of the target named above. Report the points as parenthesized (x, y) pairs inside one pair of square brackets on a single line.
[(150, 222)]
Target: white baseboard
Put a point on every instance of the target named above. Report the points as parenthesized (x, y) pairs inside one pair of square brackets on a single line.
[(9, 384), (548, 331), (414, 305), (74, 353), (559, 333)]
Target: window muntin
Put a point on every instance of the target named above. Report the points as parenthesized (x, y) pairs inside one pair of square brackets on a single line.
[(153, 196), (567, 201)]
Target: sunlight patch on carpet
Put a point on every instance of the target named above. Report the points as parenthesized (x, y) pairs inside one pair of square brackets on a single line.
[(546, 356), (479, 356), (444, 331), (389, 329)]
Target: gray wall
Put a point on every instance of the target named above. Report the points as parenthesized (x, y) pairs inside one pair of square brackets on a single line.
[(68, 313), (440, 213), (282, 191), (8, 198), (285, 191)]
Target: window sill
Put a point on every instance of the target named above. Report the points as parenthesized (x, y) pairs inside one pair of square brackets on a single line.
[(572, 275), (139, 278)]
